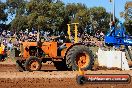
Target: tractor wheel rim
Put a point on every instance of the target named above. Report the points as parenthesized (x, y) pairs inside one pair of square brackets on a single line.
[(34, 65), (82, 60)]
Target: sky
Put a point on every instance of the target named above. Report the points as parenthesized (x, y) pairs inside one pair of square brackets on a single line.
[(119, 5)]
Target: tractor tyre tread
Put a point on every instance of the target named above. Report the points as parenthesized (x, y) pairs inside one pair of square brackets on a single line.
[(71, 57)]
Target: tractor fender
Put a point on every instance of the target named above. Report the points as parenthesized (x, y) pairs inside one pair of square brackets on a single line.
[(71, 47)]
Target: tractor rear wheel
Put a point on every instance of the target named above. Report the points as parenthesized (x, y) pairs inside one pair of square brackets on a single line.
[(79, 56), (33, 64)]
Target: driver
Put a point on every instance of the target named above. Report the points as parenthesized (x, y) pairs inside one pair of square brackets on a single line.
[(62, 43)]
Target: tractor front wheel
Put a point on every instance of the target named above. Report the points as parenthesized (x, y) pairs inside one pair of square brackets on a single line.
[(33, 64)]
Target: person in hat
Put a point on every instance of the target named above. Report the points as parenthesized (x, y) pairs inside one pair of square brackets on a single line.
[(2, 51)]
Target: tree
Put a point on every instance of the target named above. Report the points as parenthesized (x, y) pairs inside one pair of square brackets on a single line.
[(97, 17), (16, 6), (3, 14), (128, 16), (45, 14), (128, 11), (19, 23), (54, 15), (101, 19), (77, 13), (128, 26)]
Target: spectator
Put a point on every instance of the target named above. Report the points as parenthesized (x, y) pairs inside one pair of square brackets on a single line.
[(4, 33), (101, 33), (2, 48), (5, 42), (10, 46), (16, 43), (0, 52)]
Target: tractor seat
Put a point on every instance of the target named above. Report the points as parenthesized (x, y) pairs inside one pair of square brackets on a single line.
[(60, 48)]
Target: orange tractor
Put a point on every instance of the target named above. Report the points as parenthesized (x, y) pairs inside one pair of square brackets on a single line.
[(65, 56)]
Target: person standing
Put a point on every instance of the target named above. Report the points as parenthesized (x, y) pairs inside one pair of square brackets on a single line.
[(0, 52), (10, 47)]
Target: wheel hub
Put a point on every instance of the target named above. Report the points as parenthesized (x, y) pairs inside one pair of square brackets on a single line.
[(82, 60), (34, 65)]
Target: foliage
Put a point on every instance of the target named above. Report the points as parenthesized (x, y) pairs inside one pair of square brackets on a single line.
[(19, 23), (16, 6), (45, 15), (97, 17), (3, 14), (54, 15), (128, 17), (128, 26)]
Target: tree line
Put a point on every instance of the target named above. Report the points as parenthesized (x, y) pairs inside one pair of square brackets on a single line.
[(53, 16)]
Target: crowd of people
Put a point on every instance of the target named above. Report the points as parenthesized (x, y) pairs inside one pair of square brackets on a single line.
[(26, 35), (13, 39), (9, 40)]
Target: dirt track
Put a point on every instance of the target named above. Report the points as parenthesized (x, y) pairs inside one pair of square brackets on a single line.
[(10, 78), (51, 80)]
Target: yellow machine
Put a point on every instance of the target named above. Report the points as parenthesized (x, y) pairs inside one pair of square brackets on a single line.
[(76, 32)]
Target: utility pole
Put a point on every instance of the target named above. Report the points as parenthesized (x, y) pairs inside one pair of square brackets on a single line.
[(113, 10), (110, 20)]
